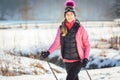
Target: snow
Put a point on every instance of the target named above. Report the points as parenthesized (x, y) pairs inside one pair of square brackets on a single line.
[(96, 74), (33, 40), (104, 57), (25, 65)]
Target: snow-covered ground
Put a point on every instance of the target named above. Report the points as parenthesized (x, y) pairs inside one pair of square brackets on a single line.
[(32, 40), (39, 70), (96, 74)]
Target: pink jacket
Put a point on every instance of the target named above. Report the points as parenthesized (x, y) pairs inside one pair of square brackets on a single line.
[(82, 41)]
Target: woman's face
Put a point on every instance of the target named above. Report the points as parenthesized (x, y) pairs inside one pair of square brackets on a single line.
[(70, 16)]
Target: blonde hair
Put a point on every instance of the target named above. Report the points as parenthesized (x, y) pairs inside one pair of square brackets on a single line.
[(64, 30)]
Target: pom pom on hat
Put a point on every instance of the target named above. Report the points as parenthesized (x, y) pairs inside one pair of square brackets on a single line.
[(70, 3), (69, 6)]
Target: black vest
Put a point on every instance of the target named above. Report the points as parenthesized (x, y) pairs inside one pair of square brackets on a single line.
[(68, 44)]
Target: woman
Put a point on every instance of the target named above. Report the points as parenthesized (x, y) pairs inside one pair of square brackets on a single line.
[(73, 40)]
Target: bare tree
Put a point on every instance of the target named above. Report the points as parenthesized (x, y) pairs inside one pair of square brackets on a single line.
[(25, 11)]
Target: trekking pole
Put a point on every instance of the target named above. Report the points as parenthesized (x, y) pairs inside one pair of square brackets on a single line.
[(88, 74), (50, 67), (52, 70)]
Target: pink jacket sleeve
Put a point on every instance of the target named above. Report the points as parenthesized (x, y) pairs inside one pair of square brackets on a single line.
[(56, 44), (86, 44)]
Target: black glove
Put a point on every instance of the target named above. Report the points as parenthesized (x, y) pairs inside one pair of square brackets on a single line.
[(45, 54), (84, 62)]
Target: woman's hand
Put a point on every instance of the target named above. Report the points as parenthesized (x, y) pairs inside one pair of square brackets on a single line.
[(45, 54), (84, 62)]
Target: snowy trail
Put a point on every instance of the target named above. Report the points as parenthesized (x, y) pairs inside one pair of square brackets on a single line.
[(96, 74)]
